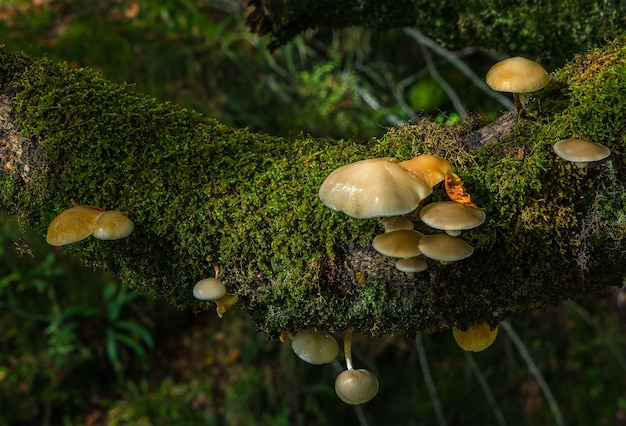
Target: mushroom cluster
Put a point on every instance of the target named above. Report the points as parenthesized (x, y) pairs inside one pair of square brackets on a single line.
[(388, 188), (80, 222), (213, 289)]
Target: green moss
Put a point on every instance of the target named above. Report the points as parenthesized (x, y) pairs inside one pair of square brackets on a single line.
[(202, 194)]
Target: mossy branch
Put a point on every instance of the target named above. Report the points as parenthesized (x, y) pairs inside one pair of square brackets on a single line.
[(549, 31), (202, 194)]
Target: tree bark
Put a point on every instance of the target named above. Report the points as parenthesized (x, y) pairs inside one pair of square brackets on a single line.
[(203, 195)]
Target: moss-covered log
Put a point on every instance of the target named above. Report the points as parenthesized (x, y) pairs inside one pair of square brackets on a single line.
[(547, 30), (202, 194)]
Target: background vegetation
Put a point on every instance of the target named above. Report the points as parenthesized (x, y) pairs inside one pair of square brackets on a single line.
[(77, 347)]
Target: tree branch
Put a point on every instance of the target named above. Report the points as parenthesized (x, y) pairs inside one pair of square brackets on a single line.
[(202, 194)]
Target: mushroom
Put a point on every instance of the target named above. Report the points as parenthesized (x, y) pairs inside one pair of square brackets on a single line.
[(72, 225), (402, 244), (373, 188), (444, 248), (315, 347), (412, 264), (428, 168), (113, 225), (352, 386), (451, 216), (396, 224), (581, 152), (210, 288), (476, 338), (517, 75)]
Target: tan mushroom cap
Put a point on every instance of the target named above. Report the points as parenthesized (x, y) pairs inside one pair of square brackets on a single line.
[(113, 225), (402, 244), (396, 224), (444, 248), (428, 168), (209, 289), (315, 347), (373, 188), (72, 225), (581, 151), (356, 387), (517, 75), (451, 216), (412, 264), (476, 338)]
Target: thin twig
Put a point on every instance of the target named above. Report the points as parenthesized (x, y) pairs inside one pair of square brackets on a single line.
[(485, 387), (421, 353), (532, 367), (432, 69), (460, 65)]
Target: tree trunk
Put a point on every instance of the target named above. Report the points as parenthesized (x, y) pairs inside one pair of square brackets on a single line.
[(203, 195)]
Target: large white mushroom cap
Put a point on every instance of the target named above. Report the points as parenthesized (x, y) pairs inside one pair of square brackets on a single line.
[(373, 188)]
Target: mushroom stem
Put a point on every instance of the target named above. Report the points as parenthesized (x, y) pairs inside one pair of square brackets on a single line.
[(217, 271), (518, 104), (347, 347)]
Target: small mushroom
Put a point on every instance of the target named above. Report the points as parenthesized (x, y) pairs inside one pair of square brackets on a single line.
[(451, 216), (581, 152), (113, 225), (373, 188), (444, 248), (209, 289), (429, 168), (476, 338), (396, 224), (412, 264), (73, 225), (402, 244), (315, 347), (517, 75), (352, 386), (356, 387)]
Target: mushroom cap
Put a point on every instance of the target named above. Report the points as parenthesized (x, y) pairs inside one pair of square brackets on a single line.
[(428, 168), (113, 225), (412, 264), (315, 347), (451, 216), (580, 150), (444, 248), (209, 289), (476, 338), (373, 188), (356, 387), (396, 224), (72, 225), (402, 244), (517, 75)]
